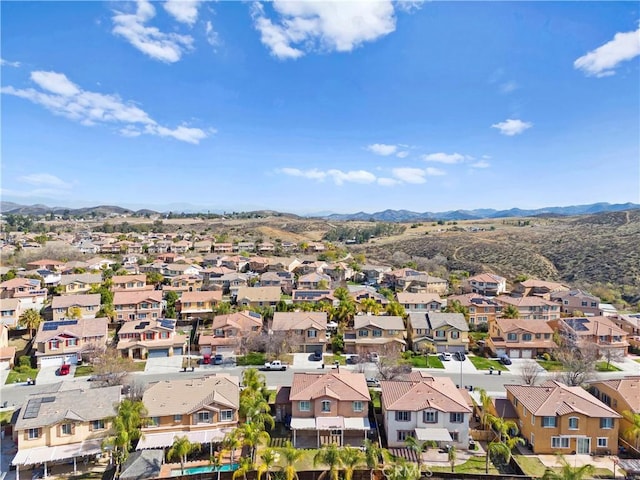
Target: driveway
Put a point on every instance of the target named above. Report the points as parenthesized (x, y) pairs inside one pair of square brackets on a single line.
[(302, 360), (4, 372), (163, 364), (48, 375)]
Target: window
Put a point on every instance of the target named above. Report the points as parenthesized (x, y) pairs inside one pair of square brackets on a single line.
[(559, 442), (226, 415), (55, 344), (99, 424), (177, 418), (403, 416), (204, 417), (549, 422), (455, 436), (33, 433), (358, 406), (377, 333), (363, 333), (218, 332), (312, 333), (403, 435), (430, 417), (455, 334), (526, 337), (512, 337), (603, 442), (304, 406), (573, 423), (326, 406), (148, 335), (456, 417), (66, 429), (441, 334), (606, 423), (584, 304)]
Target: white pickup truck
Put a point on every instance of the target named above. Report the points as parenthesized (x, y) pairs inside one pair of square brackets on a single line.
[(275, 365)]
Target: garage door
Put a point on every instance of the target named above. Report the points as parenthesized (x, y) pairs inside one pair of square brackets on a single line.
[(52, 361), (177, 351), (163, 352), (514, 353), (456, 348), (205, 350), (225, 351), (500, 351), (312, 348), (527, 353)]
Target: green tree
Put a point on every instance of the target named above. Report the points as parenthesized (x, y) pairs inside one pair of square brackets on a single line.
[(341, 294), (329, 455), (567, 472), (632, 433), (268, 460), (451, 457), (372, 454), (216, 461), (345, 312), (337, 343), (106, 311), (369, 305), (253, 435), (510, 311), (127, 423), (455, 306), (154, 278), (290, 456), (245, 465), (232, 442), (497, 449), (351, 458), (395, 309), (31, 320), (171, 298), (180, 449), (418, 447), (75, 312), (485, 405)]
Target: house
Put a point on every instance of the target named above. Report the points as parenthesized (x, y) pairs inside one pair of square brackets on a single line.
[(314, 281), (230, 332), (282, 264), (310, 328), (198, 304), (137, 305), (414, 281), (339, 272), (177, 269), (555, 418), (50, 278), (520, 338), (359, 293), (130, 283), (72, 306), (266, 247), (531, 307), (577, 301), (28, 288), (372, 274), (419, 302), (229, 283), (78, 283), (537, 288), (481, 309), (375, 333), (63, 341), (7, 353), (253, 297), (222, 247), (310, 266), (202, 409), (622, 395), (258, 264), (600, 331), (184, 283), (329, 408), (45, 264), (426, 408), (99, 263), (10, 311), (313, 296), (151, 338), (282, 279), (485, 284), (439, 332), (55, 427)]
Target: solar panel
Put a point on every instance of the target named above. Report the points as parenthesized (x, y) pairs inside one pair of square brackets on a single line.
[(255, 315), (49, 326), (33, 407), (167, 323)]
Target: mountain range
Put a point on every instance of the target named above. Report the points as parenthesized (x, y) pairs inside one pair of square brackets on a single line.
[(383, 216)]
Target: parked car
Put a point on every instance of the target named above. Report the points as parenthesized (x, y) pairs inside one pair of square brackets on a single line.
[(460, 356), (445, 356), (353, 359), (64, 369), (206, 359), (316, 356), (218, 359), (373, 382), (374, 357), (504, 359)]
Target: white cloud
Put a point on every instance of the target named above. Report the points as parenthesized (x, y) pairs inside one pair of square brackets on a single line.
[(211, 35), (62, 97), (166, 47), (339, 177), (44, 180), (402, 154), (480, 164), (441, 157), (434, 172), (509, 87), (602, 61), (184, 11), (382, 149), (511, 127), (388, 182), (334, 25), (410, 175), (7, 63)]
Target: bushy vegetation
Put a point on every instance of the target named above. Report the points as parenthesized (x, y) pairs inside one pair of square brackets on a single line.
[(362, 234), (253, 358)]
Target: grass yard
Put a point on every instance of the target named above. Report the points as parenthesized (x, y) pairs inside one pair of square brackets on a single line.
[(478, 335), (531, 465), (637, 360), (330, 359), (550, 365), (5, 417), (21, 375), (426, 361), (482, 363), (474, 465), (375, 399), (603, 367), (83, 370)]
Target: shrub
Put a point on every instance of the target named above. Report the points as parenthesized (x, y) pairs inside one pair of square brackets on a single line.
[(24, 361), (546, 357), (253, 358)]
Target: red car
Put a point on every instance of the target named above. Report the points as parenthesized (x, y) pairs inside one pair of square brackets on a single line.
[(64, 369)]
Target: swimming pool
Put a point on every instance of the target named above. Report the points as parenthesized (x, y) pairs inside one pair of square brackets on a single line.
[(204, 469)]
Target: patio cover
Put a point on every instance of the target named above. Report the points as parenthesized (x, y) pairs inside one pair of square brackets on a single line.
[(34, 456), (330, 423), (433, 434), (303, 423), (357, 423), (165, 439)]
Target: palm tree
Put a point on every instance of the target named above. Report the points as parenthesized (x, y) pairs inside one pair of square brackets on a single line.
[(456, 307), (232, 442), (126, 429), (497, 448), (451, 457), (372, 452), (245, 465), (181, 448), (268, 460), (216, 461), (418, 447), (345, 312), (30, 319), (510, 311), (351, 459), (567, 472), (369, 305), (632, 434), (341, 294), (291, 455), (485, 403), (329, 455), (253, 435), (395, 309), (504, 429)]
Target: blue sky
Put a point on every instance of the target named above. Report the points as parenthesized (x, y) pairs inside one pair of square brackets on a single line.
[(320, 106)]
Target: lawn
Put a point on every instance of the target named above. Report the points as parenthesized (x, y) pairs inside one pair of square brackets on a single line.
[(5, 417), (375, 399), (139, 366), (478, 335), (474, 465), (426, 361), (531, 465), (550, 365), (603, 367), (83, 370), (330, 359), (482, 363), (638, 360), (20, 376)]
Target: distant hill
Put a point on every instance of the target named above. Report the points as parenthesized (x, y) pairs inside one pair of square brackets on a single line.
[(100, 210)]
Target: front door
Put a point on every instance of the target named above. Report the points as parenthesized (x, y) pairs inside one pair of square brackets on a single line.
[(583, 445)]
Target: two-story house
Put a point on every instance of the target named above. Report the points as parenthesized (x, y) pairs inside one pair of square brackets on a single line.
[(78, 283), (314, 281), (24, 288), (130, 283), (282, 279), (253, 297), (184, 283), (426, 408), (380, 334), (313, 296), (63, 426), (537, 288), (10, 311), (555, 418), (328, 408), (419, 302), (481, 309), (230, 332), (137, 305), (310, 328), (202, 409), (64, 306), (577, 301), (359, 293), (520, 338), (600, 331), (439, 332), (198, 304), (532, 307), (151, 338), (63, 341), (486, 284), (45, 263)]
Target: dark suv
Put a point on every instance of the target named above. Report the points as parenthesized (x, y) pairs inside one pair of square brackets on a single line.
[(460, 356)]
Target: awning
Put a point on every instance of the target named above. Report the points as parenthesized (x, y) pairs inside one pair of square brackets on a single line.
[(303, 424), (330, 423), (165, 439), (433, 434), (34, 456), (357, 423)]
